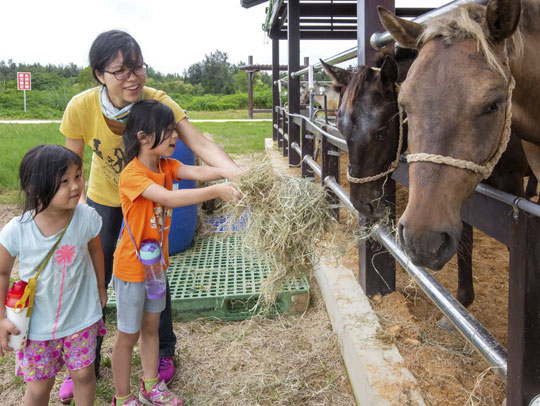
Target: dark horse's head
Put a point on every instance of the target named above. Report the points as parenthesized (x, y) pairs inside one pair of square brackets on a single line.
[(368, 118), (455, 97)]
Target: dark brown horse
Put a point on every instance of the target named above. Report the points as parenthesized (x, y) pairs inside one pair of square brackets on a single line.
[(368, 120), (457, 96)]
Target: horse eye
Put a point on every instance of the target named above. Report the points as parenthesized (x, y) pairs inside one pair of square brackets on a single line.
[(380, 135), (493, 107)]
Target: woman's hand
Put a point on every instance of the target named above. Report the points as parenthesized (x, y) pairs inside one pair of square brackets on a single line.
[(103, 296), (6, 329), (230, 173)]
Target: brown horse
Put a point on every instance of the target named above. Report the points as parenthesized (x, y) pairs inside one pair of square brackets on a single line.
[(457, 98), (368, 120)]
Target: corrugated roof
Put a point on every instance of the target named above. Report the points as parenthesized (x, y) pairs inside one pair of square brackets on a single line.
[(251, 3)]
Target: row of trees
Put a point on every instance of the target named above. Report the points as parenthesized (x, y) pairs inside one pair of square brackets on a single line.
[(212, 84), (213, 75)]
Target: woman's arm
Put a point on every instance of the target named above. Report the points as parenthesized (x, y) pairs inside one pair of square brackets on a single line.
[(186, 197), (6, 326), (204, 148), (206, 173), (96, 254), (77, 146)]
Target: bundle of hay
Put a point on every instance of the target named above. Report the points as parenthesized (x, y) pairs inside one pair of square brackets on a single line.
[(288, 218)]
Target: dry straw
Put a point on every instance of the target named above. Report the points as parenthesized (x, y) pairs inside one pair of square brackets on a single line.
[(289, 218)]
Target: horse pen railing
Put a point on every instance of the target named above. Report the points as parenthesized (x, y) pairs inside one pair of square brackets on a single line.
[(516, 224)]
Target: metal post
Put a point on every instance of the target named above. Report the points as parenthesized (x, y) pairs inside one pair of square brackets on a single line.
[(275, 89), (293, 36), (523, 379), (250, 87), (24, 92)]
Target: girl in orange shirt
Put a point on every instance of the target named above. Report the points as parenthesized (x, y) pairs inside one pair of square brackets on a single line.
[(147, 198)]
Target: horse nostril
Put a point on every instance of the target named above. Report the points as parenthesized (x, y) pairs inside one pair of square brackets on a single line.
[(445, 246)]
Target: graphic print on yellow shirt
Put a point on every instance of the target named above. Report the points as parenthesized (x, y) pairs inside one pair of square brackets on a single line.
[(84, 120)]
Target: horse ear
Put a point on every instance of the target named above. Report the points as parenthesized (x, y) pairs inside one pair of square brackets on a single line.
[(340, 76), (502, 18), (405, 32), (389, 71)]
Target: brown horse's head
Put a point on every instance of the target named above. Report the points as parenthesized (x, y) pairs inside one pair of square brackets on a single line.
[(368, 119), (455, 98)]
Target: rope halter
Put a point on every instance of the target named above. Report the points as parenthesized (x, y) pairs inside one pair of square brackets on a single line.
[(394, 163), (483, 170)]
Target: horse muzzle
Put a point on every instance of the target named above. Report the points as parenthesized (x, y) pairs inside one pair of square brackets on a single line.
[(430, 248)]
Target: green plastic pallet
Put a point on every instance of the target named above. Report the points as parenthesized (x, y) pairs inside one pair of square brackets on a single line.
[(214, 279)]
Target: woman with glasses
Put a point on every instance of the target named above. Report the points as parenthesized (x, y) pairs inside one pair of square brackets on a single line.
[(97, 117)]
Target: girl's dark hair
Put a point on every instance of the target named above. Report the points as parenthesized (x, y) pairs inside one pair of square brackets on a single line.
[(150, 117), (41, 172), (106, 46)]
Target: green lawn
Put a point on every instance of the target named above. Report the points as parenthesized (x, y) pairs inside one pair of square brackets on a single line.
[(17, 139)]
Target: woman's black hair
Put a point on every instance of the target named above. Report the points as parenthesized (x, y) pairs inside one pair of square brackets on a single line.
[(105, 49), (150, 117), (41, 172)]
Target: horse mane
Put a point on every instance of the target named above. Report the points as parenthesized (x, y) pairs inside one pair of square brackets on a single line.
[(469, 22)]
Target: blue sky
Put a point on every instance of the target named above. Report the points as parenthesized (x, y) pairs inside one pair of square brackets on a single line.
[(173, 34)]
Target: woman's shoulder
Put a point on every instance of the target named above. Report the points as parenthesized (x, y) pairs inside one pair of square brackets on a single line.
[(86, 97)]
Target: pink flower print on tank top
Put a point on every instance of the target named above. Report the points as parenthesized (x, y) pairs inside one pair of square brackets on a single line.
[(63, 257)]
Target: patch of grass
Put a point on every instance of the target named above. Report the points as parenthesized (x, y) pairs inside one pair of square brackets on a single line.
[(225, 114), (238, 137), (17, 139)]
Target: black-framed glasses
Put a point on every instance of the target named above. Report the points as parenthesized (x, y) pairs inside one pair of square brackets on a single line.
[(123, 74)]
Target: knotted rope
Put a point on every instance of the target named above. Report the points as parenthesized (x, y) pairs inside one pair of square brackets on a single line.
[(483, 170)]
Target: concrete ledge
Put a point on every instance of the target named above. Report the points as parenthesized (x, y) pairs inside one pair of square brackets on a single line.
[(376, 370)]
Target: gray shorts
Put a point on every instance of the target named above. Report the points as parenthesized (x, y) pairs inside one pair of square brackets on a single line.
[(131, 302)]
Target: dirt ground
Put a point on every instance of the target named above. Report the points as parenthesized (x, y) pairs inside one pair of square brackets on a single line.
[(291, 360), (447, 368)]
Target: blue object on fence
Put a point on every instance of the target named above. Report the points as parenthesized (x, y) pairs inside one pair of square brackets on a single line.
[(184, 219)]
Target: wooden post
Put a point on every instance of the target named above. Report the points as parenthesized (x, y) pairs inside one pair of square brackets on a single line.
[(523, 378), (307, 149), (284, 141), (275, 89), (293, 36), (368, 23), (250, 87), (330, 167), (377, 268)]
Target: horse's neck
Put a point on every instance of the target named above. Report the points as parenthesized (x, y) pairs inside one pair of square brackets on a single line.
[(525, 68)]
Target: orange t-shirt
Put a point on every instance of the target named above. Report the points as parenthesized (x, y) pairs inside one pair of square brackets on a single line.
[(143, 216)]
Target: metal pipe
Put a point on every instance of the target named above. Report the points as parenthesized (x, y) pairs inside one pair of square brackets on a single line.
[(380, 39), (514, 201), (341, 57), (337, 140), (313, 165), (297, 148), (476, 334), (330, 181)]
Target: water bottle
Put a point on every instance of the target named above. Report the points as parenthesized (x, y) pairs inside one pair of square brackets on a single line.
[(154, 274), (17, 316)]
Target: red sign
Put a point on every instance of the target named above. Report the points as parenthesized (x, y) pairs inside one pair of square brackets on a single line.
[(24, 81)]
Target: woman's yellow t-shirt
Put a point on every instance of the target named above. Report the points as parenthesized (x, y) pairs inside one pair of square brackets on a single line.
[(84, 120)]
